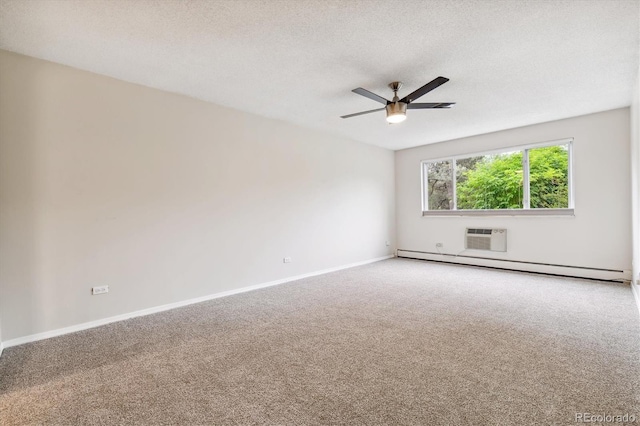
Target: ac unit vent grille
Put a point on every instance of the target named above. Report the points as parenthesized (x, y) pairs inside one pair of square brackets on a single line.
[(478, 243), (486, 239)]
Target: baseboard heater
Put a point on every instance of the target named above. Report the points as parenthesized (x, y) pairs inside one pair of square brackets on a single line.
[(517, 265)]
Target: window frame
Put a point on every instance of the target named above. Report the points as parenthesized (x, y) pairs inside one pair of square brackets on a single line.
[(526, 210)]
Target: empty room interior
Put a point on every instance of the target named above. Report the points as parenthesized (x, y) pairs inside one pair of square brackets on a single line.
[(310, 212)]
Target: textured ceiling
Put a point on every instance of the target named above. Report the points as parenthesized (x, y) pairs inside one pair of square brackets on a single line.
[(511, 63)]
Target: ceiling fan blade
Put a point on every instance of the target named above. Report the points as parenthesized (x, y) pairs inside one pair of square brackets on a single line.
[(438, 105), (361, 113), (424, 89), (370, 95)]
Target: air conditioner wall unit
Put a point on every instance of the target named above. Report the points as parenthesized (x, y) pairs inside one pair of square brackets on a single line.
[(488, 239)]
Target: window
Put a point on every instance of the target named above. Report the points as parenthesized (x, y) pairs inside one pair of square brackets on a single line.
[(534, 179)]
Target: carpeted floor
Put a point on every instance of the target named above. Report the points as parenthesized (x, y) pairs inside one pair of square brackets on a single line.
[(395, 342)]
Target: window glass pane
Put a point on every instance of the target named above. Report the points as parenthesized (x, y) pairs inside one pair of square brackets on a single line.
[(549, 177), (490, 182), (440, 185)]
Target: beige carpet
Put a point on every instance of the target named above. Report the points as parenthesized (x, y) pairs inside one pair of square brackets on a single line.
[(395, 342)]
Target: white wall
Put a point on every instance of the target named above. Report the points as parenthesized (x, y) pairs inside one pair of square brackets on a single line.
[(635, 184), (598, 236), (165, 198)]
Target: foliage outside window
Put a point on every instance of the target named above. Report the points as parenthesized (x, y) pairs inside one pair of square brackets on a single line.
[(531, 180)]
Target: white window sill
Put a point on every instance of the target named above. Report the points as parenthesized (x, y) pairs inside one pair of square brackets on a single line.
[(506, 212)]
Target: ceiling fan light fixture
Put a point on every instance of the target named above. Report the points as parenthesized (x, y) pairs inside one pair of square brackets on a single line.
[(396, 112)]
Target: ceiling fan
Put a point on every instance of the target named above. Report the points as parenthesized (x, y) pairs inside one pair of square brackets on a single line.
[(397, 108)]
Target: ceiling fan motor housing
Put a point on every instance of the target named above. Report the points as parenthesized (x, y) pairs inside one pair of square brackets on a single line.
[(395, 108)]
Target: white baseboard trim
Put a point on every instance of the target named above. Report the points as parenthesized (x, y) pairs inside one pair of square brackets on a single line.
[(91, 324), (569, 271), (1, 348)]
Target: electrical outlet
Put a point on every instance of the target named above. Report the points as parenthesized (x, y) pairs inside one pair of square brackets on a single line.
[(439, 245), (286, 260), (387, 243), (100, 289)]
